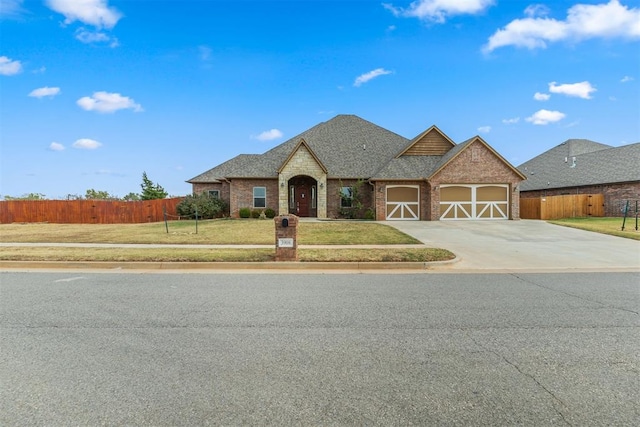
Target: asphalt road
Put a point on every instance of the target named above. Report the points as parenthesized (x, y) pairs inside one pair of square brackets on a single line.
[(83, 348)]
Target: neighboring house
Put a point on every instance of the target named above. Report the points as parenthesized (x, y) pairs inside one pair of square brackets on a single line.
[(316, 173), (581, 166)]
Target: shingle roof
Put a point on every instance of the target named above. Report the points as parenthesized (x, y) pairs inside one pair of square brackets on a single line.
[(595, 163), (337, 143)]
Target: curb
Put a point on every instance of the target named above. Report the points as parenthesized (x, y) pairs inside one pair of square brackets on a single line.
[(226, 266)]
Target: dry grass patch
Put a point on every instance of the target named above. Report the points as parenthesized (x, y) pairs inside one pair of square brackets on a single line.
[(218, 255), (612, 226), (222, 232)]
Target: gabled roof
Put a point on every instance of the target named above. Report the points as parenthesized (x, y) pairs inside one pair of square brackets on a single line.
[(302, 143), (579, 162), (348, 147), (455, 152), (431, 142)]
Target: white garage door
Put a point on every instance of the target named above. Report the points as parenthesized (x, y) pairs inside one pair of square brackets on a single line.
[(463, 201), (403, 202)]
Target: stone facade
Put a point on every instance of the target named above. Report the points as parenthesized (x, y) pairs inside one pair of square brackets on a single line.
[(302, 163), (615, 195)]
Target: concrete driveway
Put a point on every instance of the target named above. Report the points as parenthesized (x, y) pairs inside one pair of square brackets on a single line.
[(524, 245)]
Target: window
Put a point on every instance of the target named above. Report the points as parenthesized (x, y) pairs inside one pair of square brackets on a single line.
[(292, 197), (346, 197), (313, 197), (214, 193), (259, 197)]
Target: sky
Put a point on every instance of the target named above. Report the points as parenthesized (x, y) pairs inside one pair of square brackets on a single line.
[(95, 92)]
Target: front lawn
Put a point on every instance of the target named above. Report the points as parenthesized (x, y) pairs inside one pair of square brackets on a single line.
[(214, 232)]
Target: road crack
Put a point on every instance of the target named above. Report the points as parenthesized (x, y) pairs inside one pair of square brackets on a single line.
[(555, 398)]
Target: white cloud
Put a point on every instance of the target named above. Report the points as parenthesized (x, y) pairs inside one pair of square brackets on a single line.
[(9, 67), (484, 129), (105, 102), (205, 53), (626, 79), (534, 10), (44, 91), (584, 21), (54, 146), (581, 90), (370, 75), (541, 96), (91, 12), (89, 37), (544, 117), (439, 10), (511, 121), (11, 8), (86, 144), (269, 135)]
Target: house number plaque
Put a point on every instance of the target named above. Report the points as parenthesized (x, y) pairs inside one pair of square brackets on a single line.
[(285, 242)]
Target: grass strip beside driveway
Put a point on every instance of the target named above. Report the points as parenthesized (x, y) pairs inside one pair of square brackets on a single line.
[(612, 226)]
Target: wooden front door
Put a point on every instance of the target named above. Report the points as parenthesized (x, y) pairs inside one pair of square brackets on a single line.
[(302, 197)]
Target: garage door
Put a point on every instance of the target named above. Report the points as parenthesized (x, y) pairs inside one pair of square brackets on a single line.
[(403, 202), (474, 201)]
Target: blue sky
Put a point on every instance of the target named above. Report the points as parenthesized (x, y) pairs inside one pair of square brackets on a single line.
[(94, 92)]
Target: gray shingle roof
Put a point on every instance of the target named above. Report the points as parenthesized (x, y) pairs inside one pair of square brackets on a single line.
[(595, 163), (349, 147)]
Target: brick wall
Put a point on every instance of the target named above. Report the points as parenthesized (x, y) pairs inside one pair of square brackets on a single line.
[(241, 194), (333, 196), (615, 195)]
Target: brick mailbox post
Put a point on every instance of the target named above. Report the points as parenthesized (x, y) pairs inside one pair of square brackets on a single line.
[(286, 237)]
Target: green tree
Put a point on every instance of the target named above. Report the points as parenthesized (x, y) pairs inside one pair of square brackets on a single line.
[(92, 194), (151, 190), (132, 197), (30, 196)]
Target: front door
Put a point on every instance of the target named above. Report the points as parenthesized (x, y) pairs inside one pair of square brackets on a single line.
[(302, 197)]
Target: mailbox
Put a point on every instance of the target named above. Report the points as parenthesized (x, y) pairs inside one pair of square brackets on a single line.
[(286, 237)]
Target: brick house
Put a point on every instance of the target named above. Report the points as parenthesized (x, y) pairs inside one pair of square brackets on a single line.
[(581, 166), (320, 172)]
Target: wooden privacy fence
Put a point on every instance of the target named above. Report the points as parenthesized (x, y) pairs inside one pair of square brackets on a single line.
[(565, 206), (87, 211)]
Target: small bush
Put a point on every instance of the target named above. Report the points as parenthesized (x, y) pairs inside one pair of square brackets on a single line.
[(208, 207), (244, 212), (255, 213), (270, 213), (370, 214)]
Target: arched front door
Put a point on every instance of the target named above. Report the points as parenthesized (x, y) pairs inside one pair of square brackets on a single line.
[(303, 196)]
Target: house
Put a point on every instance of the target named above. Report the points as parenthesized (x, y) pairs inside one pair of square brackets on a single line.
[(324, 171), (581, 166)]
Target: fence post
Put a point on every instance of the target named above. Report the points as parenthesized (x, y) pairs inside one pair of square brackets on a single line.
[(196, 219), (626, 210), (164, 213)]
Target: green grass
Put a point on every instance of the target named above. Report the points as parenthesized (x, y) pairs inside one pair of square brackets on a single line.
[(612, 226), (219, 255), (223, 232), (219, 232)]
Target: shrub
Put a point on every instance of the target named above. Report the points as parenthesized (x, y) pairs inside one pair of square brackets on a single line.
[(370, 214), (207, 206), (269, 213), (244, 212), (255, 213)]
